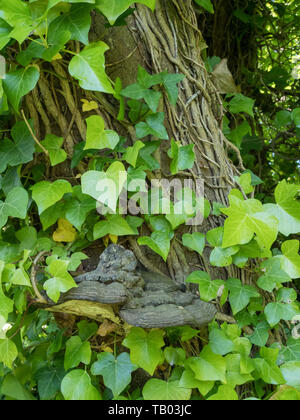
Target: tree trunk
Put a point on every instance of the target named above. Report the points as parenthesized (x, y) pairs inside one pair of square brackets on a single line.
[(168, 39)]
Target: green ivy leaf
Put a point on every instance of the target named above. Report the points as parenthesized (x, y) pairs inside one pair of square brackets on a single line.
[(116, 372), (194, 241), (290, 260), (145, 348), (240, 103), (113, 225), (183, 157), (46, 194), (97, 137), (15, 205), (260, 335), (20, 82), (266, 367), (18, 151), (54, 144), (208, 289), (287, 209), (240, 295), (61, 280), (246, 218), (225, 393), (76, 386), (156, 389), (132, 153), (17, 14), (105, 187), (49, 379), (154, 126), (77, 352), (206, 4), (159, 242), (76, 211), (112, 9), (8, 352), (208, 366), (291, 373), (89, 68), (77, 22), (274, 275), (276, 311)]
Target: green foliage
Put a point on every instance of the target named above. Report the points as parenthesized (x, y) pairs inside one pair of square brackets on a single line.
[(38, 359)]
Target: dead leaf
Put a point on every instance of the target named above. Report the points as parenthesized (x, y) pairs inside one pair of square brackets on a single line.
[(224, 79), (114, 239), (88, 105), (65, 232), (106, 328)]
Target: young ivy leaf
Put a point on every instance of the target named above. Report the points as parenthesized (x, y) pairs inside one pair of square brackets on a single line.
[(97, 137), (287, 209), (194, 241), (54, 144), (116, 372), (77, 386), (46, 194), (183, 157), (145, 348), (273, 275), (132, 153), (61, 281), (113, 225), (159, 242), (88, 67), (290, 260), (77, 352)]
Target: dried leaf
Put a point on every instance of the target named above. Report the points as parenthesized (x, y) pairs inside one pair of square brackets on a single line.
[(224, 79), (65, 232)]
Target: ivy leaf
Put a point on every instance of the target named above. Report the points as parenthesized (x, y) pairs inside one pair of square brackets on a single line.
[(113, 225), (287, 209), (53, 144), (240, 295), (291, 373), (170, 82), (290, 260), (61, 281), (20, 82), (246, 218), (153, 126), (183, 157), (77, 21), (194, 241), (97, 137), (276, 311), (18, 151), (290, 352), (45, 193), (273, 276), (208, 289), (145, 348), (219, 342), (159, 242), (188, 380), (105, 187), (266, 367), (17, 14), (220, 257), (206, 4), (49, 379), (89, 68), (112, 9), (15, 205), (76, 386), (225, 393), (8, 352), (208, 366), (132, 153), (240, 103), (261, 334), (77, 211), (77, 352), (157, 389), (116, 372)]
